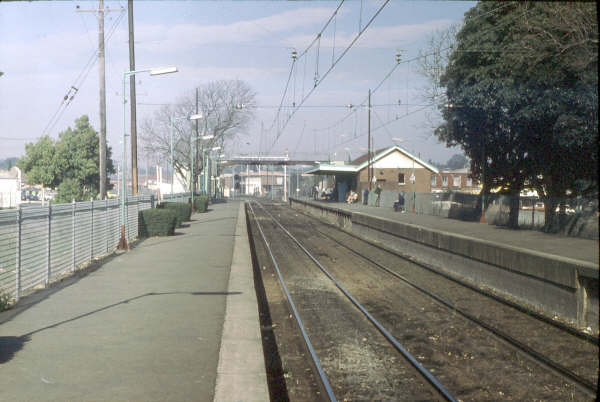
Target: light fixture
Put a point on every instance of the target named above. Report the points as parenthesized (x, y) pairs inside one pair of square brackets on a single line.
[(163, 70)]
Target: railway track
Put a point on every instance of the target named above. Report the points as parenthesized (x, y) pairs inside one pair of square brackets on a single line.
[(442, 393), (322, 233)]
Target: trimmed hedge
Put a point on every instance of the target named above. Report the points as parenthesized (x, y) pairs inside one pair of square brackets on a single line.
[(201, 203), (182, 210), (156, 222)]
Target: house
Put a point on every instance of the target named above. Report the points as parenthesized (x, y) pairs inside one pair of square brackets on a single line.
[(454, 180), (393, 169), (10, 187)]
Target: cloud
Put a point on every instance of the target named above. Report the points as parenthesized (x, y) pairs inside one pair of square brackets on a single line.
[(205, 74), (374, 37), (160, 37)]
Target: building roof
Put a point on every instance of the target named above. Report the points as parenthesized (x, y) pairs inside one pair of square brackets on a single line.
[(385, 152), (361, 162)]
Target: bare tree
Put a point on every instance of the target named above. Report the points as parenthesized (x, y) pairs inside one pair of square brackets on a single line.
[(433, 60), (226, 108)]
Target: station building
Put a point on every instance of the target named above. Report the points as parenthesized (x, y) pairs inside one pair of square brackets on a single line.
[(393, 169)]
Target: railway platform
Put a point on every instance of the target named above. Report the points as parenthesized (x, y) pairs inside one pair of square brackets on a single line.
[(175, 318), (563, 246), (552, 274)]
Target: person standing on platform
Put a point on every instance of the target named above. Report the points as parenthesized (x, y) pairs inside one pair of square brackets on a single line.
[(377, 194), (366, 196)]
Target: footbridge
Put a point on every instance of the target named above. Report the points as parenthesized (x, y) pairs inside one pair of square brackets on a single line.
[(267, 160)]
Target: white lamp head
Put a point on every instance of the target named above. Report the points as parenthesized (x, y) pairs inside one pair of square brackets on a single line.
[(163, 70)]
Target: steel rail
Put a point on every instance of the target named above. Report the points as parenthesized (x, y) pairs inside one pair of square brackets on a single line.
[(532, 353), (311, 350), (422, 370)]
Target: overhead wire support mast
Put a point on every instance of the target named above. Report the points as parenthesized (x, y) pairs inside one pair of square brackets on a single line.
[(337, 60)]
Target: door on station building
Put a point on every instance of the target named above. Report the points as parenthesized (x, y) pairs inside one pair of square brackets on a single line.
[(342, 189)]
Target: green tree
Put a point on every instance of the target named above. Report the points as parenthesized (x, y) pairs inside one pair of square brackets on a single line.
[(69, 164), (77, 151), (524, 113), (70, 189), (40, 164)]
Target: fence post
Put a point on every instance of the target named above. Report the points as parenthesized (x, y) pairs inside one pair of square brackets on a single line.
[(92, 232), (18, 262), (48, 240), (106, 225), (73, 235)]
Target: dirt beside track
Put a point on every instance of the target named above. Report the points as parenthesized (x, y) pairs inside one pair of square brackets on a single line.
[(360, 364)]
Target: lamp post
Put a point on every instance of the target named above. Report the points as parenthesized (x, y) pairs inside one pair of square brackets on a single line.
[(193, 151), (153, 71), (205, 158), (172, 121)]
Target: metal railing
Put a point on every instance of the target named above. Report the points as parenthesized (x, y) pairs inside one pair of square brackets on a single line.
[(38, 244)]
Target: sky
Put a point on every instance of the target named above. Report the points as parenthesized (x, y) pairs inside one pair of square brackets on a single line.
[(48, 47)]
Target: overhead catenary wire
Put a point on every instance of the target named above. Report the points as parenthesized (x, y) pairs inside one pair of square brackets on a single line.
[(387, 76), (340, 57), (68, 98), (299, 56)]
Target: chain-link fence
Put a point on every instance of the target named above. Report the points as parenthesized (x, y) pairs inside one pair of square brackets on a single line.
[(573, 216), (38, 244)]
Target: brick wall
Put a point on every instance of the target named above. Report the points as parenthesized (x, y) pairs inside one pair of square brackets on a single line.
[(387, 179)]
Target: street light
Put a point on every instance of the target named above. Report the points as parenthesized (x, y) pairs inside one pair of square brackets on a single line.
[(172, 121), (205, 170), (193, 151), (153, 71)]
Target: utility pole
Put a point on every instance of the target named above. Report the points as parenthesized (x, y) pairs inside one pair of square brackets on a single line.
[(102, 84), (196, 145), (369, 144), (102, 81), (134, 169)]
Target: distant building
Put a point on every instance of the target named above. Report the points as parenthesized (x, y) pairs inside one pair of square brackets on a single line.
[(454, 180), (10, 187), (253, 182)]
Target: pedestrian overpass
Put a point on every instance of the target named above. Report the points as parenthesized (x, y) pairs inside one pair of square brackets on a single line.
[(267, 160)]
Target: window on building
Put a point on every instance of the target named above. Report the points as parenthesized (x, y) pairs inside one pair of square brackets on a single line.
[(400, 178), (456, 181), (433, 180), (445, 181), (469, 182)]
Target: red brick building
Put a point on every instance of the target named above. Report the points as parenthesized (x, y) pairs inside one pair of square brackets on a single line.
[(454, 180), (394, 169)]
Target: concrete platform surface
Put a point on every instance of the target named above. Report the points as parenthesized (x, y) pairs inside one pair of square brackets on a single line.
[(145, 326), (562, 246)]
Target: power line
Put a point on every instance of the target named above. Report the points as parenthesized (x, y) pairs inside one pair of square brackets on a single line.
[(330, 68), (68, 98), (387, 123), (387, 76), (302, 54)]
